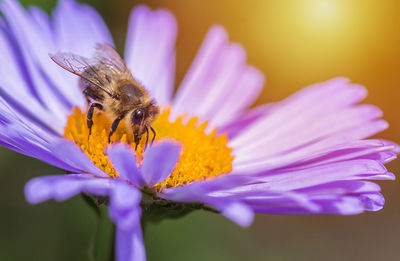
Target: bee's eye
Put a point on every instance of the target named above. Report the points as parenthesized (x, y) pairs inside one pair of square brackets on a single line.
[(138, 116)]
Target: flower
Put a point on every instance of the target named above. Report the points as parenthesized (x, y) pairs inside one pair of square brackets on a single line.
[(305, 155)]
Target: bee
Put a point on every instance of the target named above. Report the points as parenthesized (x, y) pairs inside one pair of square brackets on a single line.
[(108, 85)]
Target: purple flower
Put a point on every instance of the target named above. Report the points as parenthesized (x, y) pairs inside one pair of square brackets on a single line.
[(305, 155)]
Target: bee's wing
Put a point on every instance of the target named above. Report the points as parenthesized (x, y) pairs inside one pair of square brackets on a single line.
[(85, 68), (106, 55)]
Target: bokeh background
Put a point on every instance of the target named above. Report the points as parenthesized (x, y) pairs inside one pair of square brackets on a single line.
[(295, 43)]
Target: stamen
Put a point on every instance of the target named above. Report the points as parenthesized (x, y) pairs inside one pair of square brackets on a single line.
[(203, 155)]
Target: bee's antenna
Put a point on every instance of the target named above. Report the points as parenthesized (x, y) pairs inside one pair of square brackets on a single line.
[(154, 135), (147, 138)]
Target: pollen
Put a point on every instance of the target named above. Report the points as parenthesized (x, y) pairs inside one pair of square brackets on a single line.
[(203, 156)]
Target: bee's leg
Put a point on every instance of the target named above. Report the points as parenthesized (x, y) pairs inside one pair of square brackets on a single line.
[(89, 115), (137, 140), (147, 138), (114, 127), (154, 135)]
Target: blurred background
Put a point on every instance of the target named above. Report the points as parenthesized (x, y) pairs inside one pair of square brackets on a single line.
[(295, 43)]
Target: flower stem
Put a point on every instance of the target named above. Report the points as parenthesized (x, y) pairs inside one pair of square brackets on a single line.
[(112, 246), (92, 250), (93, 241)]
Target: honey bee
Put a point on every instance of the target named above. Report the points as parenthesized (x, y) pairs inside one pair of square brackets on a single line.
[(108, 85)]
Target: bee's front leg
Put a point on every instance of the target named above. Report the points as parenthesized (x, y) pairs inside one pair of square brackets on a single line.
[(114, 127), (89, 116), (147, 138), (154, 135)]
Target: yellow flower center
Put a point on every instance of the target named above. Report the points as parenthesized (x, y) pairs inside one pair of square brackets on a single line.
[(203, 155)]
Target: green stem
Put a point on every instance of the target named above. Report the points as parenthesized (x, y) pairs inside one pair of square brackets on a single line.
[(93, 241), (112, 247), (143, 223)]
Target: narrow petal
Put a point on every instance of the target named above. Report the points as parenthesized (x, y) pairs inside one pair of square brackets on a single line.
[(329, 125), (239, 213), (124, 206), (231, 208), (245, 120), (29, 54), (220, 75), (150, 51), (199, 190), (63, 187), (342, 188), (129, 245), (299, 137), (295, 179), (318, 155), (31, 144), (193, 85), (240, 96), (72, 155), (295, 111), (80, 34), (159, 162), (338, 206), (373, 201), (18, 90), (124, 161)]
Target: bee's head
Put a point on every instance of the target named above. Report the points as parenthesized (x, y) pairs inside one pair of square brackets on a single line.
[(138, 117), (138, 123), (142, 118)]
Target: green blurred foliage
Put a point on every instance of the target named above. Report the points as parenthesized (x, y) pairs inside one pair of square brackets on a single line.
[(62, 231)]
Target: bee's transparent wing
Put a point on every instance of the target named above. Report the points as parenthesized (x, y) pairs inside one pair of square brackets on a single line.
[(106, 55), (86, 68)]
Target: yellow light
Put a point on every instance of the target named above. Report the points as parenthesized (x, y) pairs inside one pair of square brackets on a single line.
[(324, 14), (324, 10)]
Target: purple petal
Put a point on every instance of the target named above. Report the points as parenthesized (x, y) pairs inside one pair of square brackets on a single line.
[(318, 155), (124, 206), (239, 213), (339, 197), (63, 187), (80, 34), (218, 74), (159, 161), (194, 84), (294, 114), (240, 124), (150, 51), (342, 188), (200, 191), (339, 206), (373, 201), (23, 26), (259, 195), (197, 191), (31, 144), (239, 97), (72, 155), (124, 161), (305, 134), (295, 179), (18, 90), (129, 245), (41, 18)]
